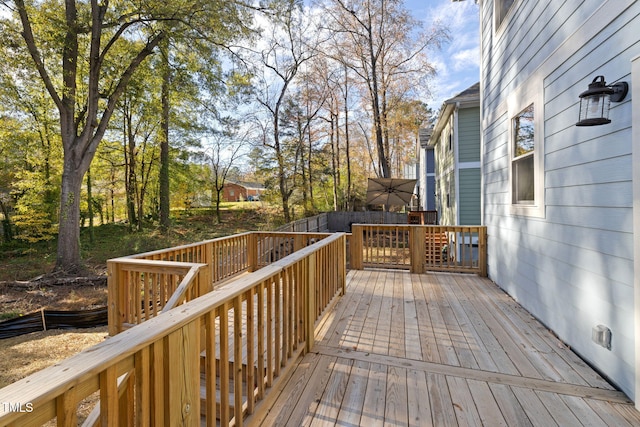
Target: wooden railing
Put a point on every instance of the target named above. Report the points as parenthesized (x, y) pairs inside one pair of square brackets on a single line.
[(273, 246), (140, 286), (225, 256), (212, 361), (420, 248)]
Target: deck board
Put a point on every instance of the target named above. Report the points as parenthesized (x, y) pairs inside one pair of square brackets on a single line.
[(440, 349)]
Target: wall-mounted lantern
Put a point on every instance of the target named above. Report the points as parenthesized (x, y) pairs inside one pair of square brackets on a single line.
[(595, 101)]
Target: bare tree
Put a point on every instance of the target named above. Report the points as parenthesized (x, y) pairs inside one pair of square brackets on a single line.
[(289, 46), (378, 41), (222, 152)]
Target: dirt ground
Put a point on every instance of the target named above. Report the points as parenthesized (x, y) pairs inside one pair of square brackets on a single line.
[(29, 353), (20, 298)]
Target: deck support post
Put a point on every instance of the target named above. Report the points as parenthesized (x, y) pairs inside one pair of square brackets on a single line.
[(355, 247), (417, 245), (114, 300), (482, 252), (343, 265), (252, 252)]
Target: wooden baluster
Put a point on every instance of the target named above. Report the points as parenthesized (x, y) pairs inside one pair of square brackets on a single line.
[(143, 402), (223, 314), (237, 360), (210, 368)]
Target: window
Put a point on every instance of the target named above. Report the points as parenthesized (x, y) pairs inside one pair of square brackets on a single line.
[(522, 165), (525, 113), (501, 8)]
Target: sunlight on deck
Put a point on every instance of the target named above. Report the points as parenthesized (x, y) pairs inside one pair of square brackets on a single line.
[(440, 349)]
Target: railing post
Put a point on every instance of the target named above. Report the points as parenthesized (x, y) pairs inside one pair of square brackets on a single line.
[(252, 252), (355, 246), (209, 260), (114, 298), (298, 242), (311, 303), (417, 247), (205, 281), (343, 264), (182, 359), (482, 251)]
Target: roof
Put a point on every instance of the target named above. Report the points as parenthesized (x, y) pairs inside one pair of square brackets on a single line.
[(470, 94), (470, 97), (424, 134), (252, 185)]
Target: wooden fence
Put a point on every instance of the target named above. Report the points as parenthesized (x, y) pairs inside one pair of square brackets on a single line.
[(342, 221), (211, 362), (420, 248), (317, 223)]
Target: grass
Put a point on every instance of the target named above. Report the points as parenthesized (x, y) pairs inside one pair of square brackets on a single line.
[(9, 315), (21, 261)]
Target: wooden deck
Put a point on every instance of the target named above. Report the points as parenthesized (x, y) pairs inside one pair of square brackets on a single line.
[(439, 349)]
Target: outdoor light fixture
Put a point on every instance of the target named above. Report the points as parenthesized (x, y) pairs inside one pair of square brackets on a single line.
[(595, 101)]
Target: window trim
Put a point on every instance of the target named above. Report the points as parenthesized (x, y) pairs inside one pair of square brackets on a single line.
[(499, 26), (519, 99)]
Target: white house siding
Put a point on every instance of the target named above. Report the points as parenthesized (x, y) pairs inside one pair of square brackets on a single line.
[(572, 266)]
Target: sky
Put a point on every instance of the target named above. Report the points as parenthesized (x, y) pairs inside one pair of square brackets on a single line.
[(457, 63)]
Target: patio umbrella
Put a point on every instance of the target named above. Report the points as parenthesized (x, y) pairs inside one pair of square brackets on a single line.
[(390, 191)]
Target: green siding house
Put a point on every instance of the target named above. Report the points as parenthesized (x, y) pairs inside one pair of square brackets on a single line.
[(456, 143)]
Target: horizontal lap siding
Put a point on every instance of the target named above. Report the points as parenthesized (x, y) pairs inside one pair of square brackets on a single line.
[(469, 187), (469, 135), (445, 177), (573, 268), (469, 177)]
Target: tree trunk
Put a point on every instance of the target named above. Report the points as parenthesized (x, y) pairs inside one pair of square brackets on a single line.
[(68, 256), (164, 143), (6, 223), (218, 197), (310, 145), (130, 167), (334, 173), (90, 207), (303, 171), (346, 139), (284, 190)]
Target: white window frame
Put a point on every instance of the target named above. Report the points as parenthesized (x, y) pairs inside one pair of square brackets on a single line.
[(506, 15), (529, 93)]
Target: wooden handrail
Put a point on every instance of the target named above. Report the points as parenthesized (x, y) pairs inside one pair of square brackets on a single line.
[(139, 289), (241, 338), (181, 292), (141, 286)]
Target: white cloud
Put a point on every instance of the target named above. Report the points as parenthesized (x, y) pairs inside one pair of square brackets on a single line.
[(466, 59), (458, 62)]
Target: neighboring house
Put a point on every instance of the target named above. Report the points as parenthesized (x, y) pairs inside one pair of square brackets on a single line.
[(456, 144), (241, 191), (426, 185), (559, 200)]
